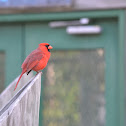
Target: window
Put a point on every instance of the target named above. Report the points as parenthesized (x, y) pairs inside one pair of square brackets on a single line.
[(74, 89), (34, 3), (2, 70)]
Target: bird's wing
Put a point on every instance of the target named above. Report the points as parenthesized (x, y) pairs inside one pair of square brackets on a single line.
[(32, 60), (31, 64)]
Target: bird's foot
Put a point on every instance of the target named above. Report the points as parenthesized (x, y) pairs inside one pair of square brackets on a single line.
[(39, 72)]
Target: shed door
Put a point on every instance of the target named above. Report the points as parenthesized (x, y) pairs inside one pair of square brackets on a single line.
[(10, 53), (79, 83)]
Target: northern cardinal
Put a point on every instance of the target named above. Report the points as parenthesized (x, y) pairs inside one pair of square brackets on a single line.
[(36, 60)]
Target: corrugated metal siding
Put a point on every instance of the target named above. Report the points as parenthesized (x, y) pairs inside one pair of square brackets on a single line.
[(98, 4)]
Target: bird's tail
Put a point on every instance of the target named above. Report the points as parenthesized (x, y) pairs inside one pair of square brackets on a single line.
[(19, 80)]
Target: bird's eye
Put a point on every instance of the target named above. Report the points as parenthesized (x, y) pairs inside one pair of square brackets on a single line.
[(47, 46)]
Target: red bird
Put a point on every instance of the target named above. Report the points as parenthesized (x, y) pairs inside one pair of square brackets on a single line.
[(36, 60)]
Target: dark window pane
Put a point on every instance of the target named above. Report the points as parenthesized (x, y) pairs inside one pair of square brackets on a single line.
[(2, 70), (74, 89)]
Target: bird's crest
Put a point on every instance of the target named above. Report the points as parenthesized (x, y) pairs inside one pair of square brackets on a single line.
[(43, 44)]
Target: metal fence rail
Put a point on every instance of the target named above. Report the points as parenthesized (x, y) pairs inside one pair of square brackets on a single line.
[(23, 108)]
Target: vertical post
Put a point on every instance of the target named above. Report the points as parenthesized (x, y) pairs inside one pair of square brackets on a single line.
[(23, 108)]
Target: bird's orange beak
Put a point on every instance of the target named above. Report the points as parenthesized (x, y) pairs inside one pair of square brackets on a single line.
[(50, 47)]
